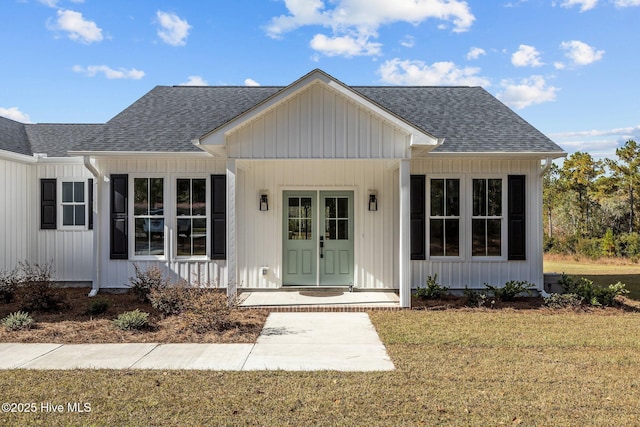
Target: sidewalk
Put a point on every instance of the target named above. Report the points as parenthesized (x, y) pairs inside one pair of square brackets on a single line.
[(288, 341)]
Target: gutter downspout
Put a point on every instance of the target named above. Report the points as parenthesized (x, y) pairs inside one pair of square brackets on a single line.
[(547, 165), (96, 223)]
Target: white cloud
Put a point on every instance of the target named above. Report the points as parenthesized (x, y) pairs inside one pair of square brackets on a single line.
[(14, 113), (559, 65), (475, 53), (414, 72), (626, 3), (173, 30), (584, 4), (78, 28), (359, 20), (346, 46), (629, 132), (195, 81), (408, 41), (581, 53), (251, 82), (526, 56), (110, 73), (50, 3), (529, 91)]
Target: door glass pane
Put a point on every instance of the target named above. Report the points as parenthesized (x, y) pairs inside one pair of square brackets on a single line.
[(67, 192), (495, 197), (294, 207), (140, 197), (305, 208), (199, 197), (307, 228), (330, 230), (343, 229), (478, 233), (293, 229), (437, 197), (330, 207), (343, 208), (78, 192)]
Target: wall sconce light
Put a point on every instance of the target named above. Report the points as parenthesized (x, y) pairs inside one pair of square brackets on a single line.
[(264, 202), (373, 201)]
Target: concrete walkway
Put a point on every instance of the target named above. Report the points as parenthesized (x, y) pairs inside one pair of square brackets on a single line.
[(320, 298), (289, 341)]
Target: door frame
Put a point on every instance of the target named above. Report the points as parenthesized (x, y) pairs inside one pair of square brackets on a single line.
[(317, 189)]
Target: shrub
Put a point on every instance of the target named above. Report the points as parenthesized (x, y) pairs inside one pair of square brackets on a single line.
[(39, 292), (433, 290), (207, 310), (132, 320), (593, 294), (563, 301), (145, 281), (98, 306), (9, 282), (17, 321), (474, 298), (510, 290), (170, 300)]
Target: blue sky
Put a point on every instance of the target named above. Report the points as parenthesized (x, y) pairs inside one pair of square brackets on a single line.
[(569, 67)]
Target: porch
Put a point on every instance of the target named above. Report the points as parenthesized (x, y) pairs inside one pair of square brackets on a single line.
[(324, 299)]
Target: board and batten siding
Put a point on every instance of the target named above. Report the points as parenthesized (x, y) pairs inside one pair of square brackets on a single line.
[(259, 233), (317, 123), (474, 273), (116, 273), (17, 213), (69, 250)]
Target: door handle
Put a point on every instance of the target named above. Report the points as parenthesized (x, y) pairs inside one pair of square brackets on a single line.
[(321, 249)]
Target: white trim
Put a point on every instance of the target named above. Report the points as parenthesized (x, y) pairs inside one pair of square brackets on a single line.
[(505, 154), (504, 236), (462, 226), (132, 223), (173, 224), (88, 210), (404, 253), (17, 157), (143, 154)]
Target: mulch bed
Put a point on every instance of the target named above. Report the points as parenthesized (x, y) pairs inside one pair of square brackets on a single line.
[(75, 325), (460, 302)]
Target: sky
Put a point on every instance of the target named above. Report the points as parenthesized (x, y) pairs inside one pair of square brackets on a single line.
[(568, 67)]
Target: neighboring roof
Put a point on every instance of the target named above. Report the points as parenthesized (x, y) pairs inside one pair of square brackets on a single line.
[(13, 137), (52, 139)]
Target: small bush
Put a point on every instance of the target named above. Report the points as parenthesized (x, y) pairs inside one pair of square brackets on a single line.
[(38, 291), (170, 300), (510, 290), (433, 290), (474, 298), (132, 320), (17, 321), (595, 295), (98, 306), (563, 301), (207, 310), (145, 281), (9, 282)]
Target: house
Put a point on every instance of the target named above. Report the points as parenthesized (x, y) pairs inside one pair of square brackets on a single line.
[(314, 184)]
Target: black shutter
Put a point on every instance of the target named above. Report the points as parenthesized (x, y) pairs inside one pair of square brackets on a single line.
[(516, 218), (48, 204), (218, 217), (418, 217), (90, 203), (119, 220)]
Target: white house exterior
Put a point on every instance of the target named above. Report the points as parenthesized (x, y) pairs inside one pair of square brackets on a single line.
[(313, 184)]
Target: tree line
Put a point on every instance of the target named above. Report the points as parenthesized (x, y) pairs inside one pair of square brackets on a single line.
[(591, 207)]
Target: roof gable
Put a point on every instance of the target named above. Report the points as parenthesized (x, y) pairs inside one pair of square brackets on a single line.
[(13, 137)]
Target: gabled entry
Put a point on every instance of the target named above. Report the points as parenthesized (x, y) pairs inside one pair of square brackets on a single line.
[(318, 238)]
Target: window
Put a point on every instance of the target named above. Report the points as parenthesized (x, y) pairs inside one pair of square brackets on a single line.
[(74, 207), (191, 212), (336, 220), (444, 218), (486, 219), (148, 216), (300, 218)]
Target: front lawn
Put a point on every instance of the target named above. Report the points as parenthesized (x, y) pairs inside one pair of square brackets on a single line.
[(454, 367)]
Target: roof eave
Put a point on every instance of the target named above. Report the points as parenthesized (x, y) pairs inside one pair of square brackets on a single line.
[(509, 154)]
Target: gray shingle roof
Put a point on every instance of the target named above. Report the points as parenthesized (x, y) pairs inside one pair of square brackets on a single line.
[(13, 137), (52, 139), (469, 118)]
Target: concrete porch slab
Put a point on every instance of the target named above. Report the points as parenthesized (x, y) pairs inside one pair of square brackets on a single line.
[(320, 298)]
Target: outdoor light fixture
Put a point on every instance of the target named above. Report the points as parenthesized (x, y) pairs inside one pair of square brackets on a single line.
[(264, 202), (373, 201)]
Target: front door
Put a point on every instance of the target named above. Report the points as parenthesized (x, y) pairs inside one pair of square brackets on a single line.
[(318, 238)]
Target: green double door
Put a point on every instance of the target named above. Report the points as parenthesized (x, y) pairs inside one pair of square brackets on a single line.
[(318, 238)]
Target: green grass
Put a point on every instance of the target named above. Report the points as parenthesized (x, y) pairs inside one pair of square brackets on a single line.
[(454, 367), (601, 273)]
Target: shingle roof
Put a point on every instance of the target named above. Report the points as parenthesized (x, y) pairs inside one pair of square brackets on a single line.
[(468, 118), (52, 139), (13, 137)]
